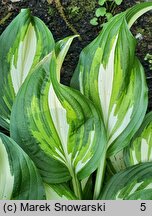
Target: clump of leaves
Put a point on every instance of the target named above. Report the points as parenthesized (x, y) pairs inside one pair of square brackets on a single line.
[(104, 12), (62, 139)]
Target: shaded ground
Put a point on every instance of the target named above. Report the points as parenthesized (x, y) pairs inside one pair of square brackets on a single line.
[(79, 14)]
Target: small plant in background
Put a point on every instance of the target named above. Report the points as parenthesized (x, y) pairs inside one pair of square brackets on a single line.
[(105, 11), (148, 58)]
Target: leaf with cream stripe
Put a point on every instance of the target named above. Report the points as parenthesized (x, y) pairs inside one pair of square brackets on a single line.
[(136, 11), (140, 149), (19, 178), (59, 127), (112, 77), (134, 183), (32, 126), (81, 126), (22, 45)]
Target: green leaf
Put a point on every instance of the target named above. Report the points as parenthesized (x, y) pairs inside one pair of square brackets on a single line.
[(72, 101), (116, 162), (135, 183), (100, 11), (118, 2), (19, 178), (94, 21), (22, 45), (109, 16), (136, 11), (140, 149), (58, 126), (34, 129), (88, 189), (111, 76), (101, 2), (59, 192)]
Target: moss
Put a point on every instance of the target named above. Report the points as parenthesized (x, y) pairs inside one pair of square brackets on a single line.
[(78, 9), (86, 6), (73, 12), (51, 11)]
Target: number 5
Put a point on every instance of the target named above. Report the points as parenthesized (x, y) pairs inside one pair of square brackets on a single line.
[(143, 207)]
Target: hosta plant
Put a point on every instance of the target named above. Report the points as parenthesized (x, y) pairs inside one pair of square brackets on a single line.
[(62, 126), (119, 89), (67, 139)]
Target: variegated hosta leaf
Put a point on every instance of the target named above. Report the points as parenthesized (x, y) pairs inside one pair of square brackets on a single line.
[(111, 76), (19, 178), (59, 192), (32, 127), (140, 149), (136, 11), (135, 183), (82, 123), (22, 45), (58, 126)]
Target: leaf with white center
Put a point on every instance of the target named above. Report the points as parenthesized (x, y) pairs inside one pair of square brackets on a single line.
[(80, 128), (140, 149), (59, 192), (22, 45), (111, 76), (32, 127), (19, 178), (56, 125), (134, 183)]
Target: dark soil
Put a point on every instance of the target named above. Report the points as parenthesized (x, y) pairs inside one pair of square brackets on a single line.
[(79, 19)]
